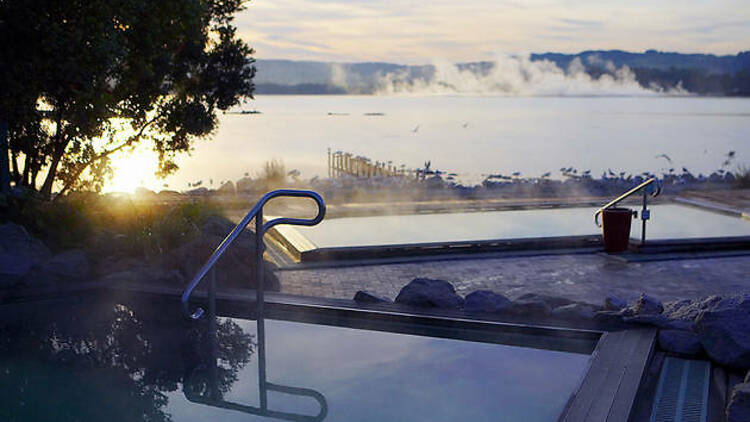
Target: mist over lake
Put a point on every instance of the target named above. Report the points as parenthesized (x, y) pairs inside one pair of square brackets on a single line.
[(475, 135)]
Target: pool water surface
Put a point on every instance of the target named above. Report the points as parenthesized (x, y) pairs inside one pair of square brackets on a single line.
[(668, 221), (117, 362)]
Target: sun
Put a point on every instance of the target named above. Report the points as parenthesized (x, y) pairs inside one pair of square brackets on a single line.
[(132, 170)]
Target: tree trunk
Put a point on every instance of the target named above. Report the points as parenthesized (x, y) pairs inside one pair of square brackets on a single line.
[(46, 190), (16, 174), (4, 163), (26, 169)]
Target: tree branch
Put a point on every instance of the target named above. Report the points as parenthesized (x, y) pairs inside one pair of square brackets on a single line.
[(130, 141)]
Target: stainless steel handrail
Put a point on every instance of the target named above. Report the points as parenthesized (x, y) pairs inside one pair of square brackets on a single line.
[(626, 195), (645, 213), (260, 229), (265, 411)]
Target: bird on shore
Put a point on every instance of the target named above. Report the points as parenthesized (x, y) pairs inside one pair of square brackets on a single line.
[(465, 125), (415, 129)]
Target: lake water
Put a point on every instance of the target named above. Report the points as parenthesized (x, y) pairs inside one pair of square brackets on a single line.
[(474, 135)]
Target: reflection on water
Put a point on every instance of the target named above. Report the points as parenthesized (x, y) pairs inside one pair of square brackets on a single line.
[(95, 361), (92, 361)]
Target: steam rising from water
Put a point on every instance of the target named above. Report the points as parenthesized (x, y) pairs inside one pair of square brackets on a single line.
[(518, 76)]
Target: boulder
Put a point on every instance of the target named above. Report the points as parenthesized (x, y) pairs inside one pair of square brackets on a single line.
[(227, 188), (427, 292), (551, 301), (576, 311), (724, 330), (656, 320), (19, 252), (680, 342), (246, 184), (364, 296), (530, 306), (236, 268), (614, 303), (738, 409), (687, 309), (647, 305), (72, 265), (609, 317), (485, 301)]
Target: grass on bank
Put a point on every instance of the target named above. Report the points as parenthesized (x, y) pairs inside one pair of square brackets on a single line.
[(106, 225), (742, 177)]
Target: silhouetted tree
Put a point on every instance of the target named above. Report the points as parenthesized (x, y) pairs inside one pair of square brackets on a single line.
[(83, 79)]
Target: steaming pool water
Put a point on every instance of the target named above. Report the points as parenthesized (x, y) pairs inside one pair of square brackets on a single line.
[(98, 360), (668, 221)]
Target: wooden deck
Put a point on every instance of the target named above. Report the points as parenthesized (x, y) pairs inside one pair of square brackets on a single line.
[(608, 391)]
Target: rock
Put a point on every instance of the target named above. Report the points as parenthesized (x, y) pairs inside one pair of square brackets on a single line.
[(531, 306), (227, 188), (680, 342), (19, 252), (485, 301), (656, 320), (609, 317), (72, 265), (144, 194), (614, 303), (576, 311), (647, 305), (738, 409), (684, 312), (236, 268), (552, 301), (202, 191), (363, 296), (169, 195), (724, 330), (429, 293), (246, 184)]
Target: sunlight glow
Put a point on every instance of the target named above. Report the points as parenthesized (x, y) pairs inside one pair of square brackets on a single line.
[(132, 170)]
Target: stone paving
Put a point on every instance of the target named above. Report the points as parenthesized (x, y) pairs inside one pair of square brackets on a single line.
[(588, 278)]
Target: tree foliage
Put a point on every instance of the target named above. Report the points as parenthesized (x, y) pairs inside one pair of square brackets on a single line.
[(83, 79)]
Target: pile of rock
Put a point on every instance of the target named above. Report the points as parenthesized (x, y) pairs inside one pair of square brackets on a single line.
[(26, 262)]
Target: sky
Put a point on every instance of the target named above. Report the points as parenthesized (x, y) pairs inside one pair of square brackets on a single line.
[(418, 32)]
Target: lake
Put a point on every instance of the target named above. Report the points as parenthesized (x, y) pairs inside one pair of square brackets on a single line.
[(470, 135)]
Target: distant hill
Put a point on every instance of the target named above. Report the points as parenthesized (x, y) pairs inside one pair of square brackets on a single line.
[(702, 74), (653, 59)]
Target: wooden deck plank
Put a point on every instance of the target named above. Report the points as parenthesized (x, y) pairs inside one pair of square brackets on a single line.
[(608, 390), (633, 373)]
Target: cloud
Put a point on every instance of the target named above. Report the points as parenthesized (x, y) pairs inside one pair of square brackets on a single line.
[(409, 31)]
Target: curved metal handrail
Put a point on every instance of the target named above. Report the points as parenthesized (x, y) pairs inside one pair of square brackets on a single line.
[(261, 410), (626, 195), (256, 211)]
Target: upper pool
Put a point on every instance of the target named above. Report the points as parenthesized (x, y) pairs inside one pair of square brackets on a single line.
[(668, 221), (91, 361)]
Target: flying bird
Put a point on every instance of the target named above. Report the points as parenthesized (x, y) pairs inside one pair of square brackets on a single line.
[(466, 125), (665, 156), (415, 129)]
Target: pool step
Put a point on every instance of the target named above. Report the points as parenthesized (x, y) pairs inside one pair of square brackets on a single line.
[(682, 392)]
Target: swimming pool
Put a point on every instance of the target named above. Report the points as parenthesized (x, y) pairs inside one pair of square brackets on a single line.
[(97, 360), (668, 221)]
